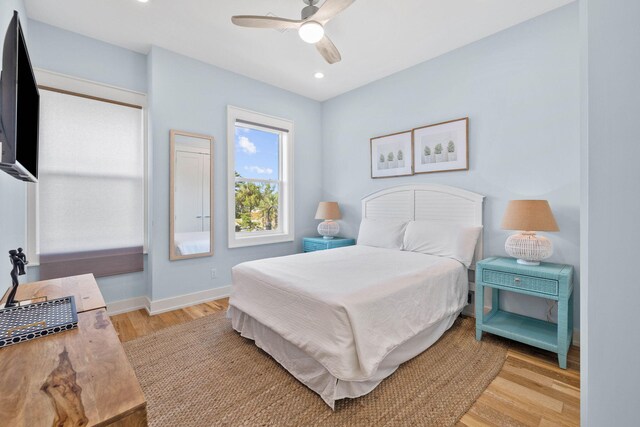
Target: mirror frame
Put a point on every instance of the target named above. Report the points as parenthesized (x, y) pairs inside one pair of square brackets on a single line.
[(173, 256)]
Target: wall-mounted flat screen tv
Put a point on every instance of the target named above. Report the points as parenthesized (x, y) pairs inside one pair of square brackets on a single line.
[(20, 103)]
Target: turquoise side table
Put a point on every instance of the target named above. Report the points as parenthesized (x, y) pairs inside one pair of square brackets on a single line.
[(550, 281), (310, 244)]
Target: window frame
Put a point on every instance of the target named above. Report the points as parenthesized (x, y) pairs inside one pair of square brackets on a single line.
[(101, 92), (285, 231)]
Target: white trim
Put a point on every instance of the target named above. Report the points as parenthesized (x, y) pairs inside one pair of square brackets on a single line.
[(89, 87), (286, 222), (167, 304), (33, 226), (181, 301), (127, 305)]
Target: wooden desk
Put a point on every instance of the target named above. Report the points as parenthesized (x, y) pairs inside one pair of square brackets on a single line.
[(84, 288), (76, 378)]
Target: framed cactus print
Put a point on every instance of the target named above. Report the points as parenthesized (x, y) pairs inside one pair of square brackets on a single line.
[(441, 147), (391, 155)]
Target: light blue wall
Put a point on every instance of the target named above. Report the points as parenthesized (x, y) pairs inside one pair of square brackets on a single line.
[(75, 55), (13, 218), (611, 144), (61, 51), (520, 89), (537, 60), (189, 95)]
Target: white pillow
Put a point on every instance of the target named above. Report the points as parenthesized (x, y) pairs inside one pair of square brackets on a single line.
[(442, 239), (382, 233)]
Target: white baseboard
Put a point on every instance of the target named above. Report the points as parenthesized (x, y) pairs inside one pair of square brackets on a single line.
[(167, 304), (181, 301), (126, 305)]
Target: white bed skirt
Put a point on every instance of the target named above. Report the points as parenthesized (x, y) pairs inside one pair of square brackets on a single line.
[(315, 376)]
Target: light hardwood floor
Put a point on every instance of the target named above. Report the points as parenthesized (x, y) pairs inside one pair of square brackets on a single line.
[(530, 390)]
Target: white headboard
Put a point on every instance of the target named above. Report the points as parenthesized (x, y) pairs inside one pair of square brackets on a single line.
[(430, 202)]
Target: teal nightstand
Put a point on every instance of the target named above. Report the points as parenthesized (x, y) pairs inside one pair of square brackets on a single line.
[(310, 244), (550, 281)]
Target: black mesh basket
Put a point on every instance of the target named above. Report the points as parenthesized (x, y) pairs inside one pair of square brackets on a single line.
[(38, 319)]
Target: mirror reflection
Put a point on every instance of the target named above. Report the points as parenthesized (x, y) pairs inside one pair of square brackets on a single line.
[(191, 195)]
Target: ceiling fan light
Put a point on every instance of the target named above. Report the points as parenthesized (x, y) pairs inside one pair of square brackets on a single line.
[(311, 32)]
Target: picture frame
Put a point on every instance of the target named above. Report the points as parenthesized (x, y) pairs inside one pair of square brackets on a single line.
[(392, 155), (441, 147)]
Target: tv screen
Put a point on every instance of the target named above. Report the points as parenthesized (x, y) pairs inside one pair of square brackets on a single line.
[(20, 107)]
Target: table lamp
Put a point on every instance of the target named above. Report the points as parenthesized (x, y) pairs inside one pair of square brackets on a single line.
[(529, 216), (328, 211)]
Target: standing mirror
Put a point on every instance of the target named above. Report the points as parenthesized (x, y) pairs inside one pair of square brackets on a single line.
[(191, 196)]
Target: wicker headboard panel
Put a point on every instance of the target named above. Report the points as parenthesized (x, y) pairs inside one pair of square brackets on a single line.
[(427, 202)]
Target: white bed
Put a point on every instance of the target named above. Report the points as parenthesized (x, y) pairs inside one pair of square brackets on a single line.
[(343, 320), (196, 242)]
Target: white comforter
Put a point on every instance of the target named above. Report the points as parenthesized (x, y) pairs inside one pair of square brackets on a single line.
[(192, 243), (349, 307)]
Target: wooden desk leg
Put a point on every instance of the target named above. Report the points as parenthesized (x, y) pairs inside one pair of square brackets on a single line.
[(479, 309)]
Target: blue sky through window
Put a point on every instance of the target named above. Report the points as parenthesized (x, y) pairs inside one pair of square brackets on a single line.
[(257, 153)]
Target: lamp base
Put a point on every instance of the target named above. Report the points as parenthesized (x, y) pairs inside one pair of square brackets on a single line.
[(525, 262), (327, 229), (528, 248)]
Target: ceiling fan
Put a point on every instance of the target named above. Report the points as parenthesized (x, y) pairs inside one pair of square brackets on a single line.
[(310, 26)]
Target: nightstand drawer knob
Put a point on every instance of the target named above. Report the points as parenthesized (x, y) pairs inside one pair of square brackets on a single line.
[(517, 280)]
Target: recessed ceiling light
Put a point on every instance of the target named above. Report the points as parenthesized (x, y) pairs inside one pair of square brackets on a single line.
[(319, 75), (143, 1)]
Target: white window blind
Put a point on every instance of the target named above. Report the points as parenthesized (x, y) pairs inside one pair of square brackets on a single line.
[(91, 186)]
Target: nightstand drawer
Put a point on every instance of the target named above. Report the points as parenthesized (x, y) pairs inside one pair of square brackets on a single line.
[(310, 246), (535, 284)]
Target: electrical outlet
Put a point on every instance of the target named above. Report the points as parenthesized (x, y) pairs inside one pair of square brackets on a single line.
[(214, 273)]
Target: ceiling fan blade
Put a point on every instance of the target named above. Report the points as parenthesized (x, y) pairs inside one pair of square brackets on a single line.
[(265, 22), (329, 9), (328, 50)]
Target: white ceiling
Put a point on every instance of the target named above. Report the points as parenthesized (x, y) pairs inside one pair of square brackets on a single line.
[(375, 37)]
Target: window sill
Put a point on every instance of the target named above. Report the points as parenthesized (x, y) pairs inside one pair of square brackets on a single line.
[(243, 242)]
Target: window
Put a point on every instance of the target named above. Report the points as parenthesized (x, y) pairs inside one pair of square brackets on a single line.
[(260, 194), (89, 203)]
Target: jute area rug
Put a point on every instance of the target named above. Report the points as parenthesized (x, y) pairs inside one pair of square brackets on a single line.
[(202, 373)]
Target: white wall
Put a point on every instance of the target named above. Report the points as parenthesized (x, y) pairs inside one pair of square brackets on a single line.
[(611, 208), (520, 89)]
